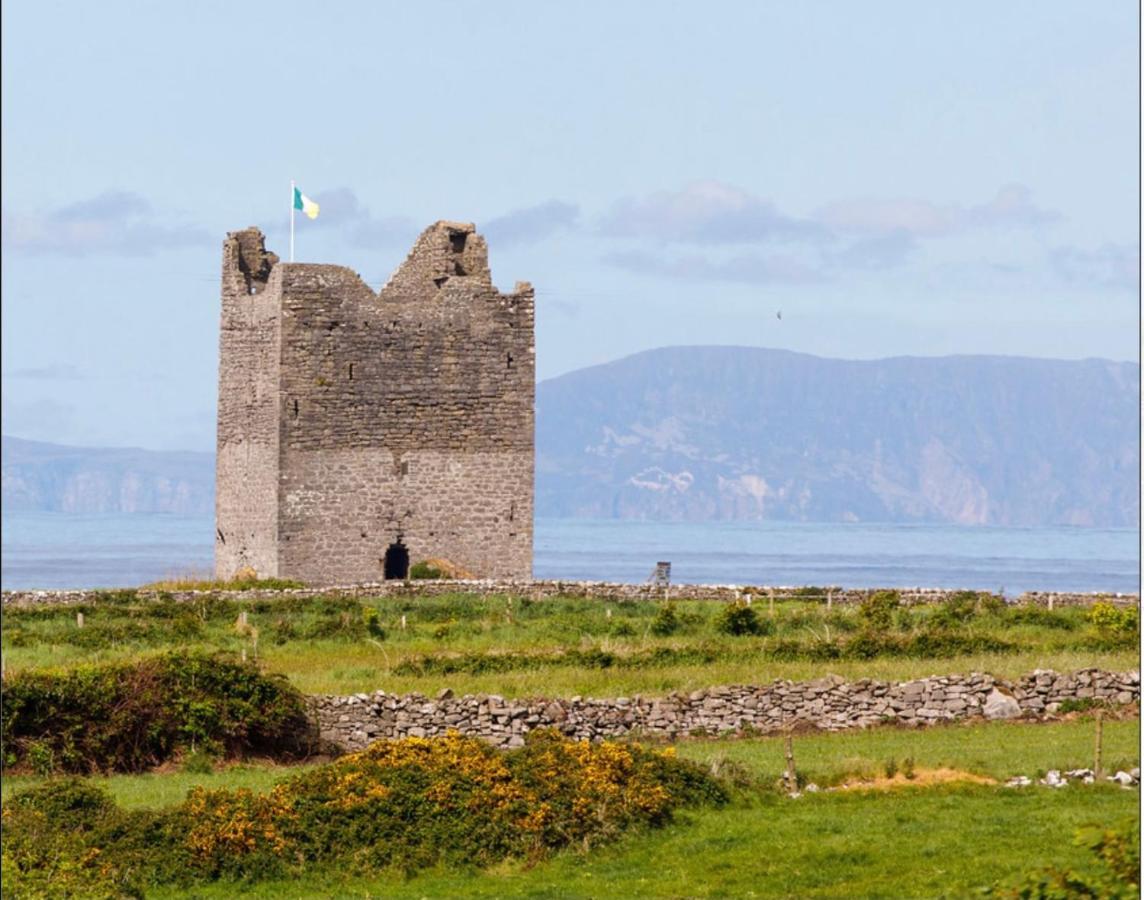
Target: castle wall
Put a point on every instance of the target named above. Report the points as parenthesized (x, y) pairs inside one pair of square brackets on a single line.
[(246, 482), (406, 416), (350, 420)]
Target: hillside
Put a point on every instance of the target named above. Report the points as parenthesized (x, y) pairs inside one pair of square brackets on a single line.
[(53, 478), (698, 433)]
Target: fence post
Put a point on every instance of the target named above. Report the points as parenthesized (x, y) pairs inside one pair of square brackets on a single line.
[(1098, 766), (791, 777)]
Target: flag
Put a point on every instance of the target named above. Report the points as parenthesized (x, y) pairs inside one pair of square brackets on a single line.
[(304, 203)]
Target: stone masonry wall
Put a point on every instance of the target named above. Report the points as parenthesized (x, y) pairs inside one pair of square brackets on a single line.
[(829, 703), (246, 482), (404, 416), (595, 590)]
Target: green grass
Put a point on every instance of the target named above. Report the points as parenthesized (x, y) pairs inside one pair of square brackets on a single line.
[(911, 843), (346, 646), (994, 749), (158, 789)]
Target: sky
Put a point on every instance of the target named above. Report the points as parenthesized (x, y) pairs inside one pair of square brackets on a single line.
[(894, 178)]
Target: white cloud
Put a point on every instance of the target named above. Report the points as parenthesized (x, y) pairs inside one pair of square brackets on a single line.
[(1114, 266), (533, 223), (704, 212), (114, 222), (1011, 206)]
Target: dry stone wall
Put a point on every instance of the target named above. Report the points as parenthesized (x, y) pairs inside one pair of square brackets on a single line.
[(829, 703), (594, 590)]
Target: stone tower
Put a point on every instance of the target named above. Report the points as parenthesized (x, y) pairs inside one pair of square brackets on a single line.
[(360, 432)]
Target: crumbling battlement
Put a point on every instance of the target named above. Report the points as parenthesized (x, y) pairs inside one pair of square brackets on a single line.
[(360, 430)]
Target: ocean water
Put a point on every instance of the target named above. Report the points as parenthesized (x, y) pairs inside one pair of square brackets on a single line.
[(52, 550)]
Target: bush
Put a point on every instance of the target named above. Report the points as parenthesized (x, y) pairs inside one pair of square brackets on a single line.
[(1113, 619), (410, 803), (423, 570), (739, 618), (130, 717), (877, 609), (665, 622), (1117, 876), (373, 626)]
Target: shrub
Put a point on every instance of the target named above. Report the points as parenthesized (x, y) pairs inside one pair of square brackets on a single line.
[(665, 622), (1116, 878), (1110, 618), (877, 609), (739, 618), (1031, 614), (129, 717), (421, 570), (410, 803), (373, 626)]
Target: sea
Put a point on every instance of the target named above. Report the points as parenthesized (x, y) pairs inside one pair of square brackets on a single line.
[(57, 550)]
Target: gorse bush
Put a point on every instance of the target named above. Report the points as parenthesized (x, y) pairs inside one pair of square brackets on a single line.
[(666, 622), (1110, 618), (877, 610), (739, 618), (130, 717), (408, 804), (1114, 876)]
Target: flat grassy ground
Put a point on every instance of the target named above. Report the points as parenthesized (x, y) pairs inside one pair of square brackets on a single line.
[(915, 840), (945, 842), (563, 647), (941, 841)]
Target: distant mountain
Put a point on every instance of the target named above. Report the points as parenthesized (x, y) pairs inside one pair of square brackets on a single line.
[(697, 433), (54, 478)]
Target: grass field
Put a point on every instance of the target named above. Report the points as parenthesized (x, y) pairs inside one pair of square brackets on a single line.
[(563, 647), (942, 841), (916, 840), (946, 842), (997, 750)]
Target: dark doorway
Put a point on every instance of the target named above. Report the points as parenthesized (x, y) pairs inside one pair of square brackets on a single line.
[(396, 563)]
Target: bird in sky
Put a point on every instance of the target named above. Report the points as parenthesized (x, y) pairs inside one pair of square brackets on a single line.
[(779, 315)]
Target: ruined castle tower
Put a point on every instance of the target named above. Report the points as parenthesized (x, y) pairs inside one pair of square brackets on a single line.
[(360, 432)]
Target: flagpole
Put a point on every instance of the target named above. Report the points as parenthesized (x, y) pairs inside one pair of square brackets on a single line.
[(291, 220)]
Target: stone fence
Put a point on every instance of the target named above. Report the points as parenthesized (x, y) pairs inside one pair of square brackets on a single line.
[(829, 703), (539, 590)]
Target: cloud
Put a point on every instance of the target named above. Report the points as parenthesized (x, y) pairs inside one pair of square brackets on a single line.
[(1108, 266), (56, 372), (880, 251), (746, 269), (341, 210), (705, 212), (533, 223), (114, 222), (1011, 206)]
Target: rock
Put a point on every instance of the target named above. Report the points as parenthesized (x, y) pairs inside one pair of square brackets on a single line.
[(1123, 778), (999, 705), (445, 694), (1053, 779), (1019, 781)]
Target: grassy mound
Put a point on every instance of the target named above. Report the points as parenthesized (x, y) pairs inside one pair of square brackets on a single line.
[(408, 804), (131, 717)]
